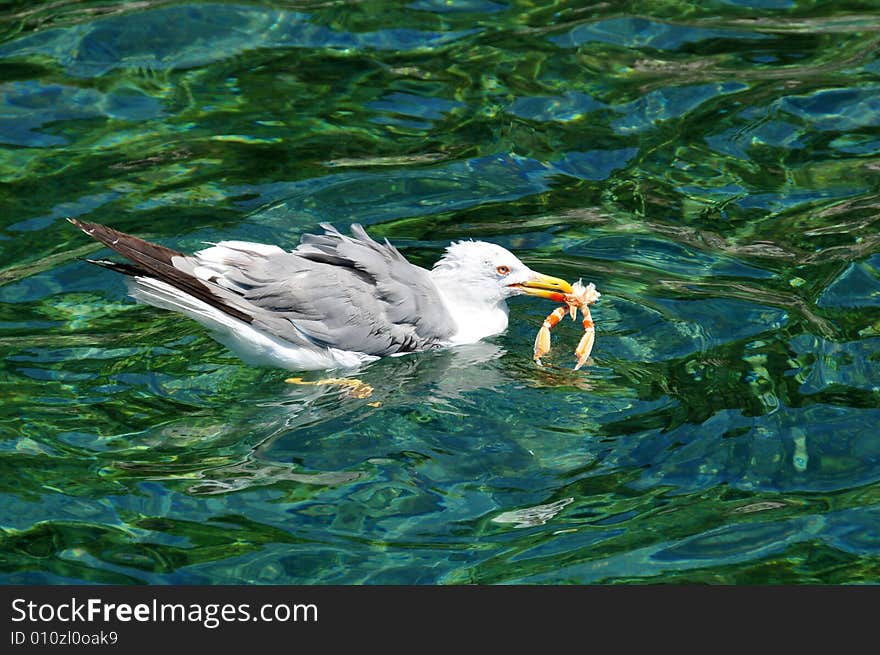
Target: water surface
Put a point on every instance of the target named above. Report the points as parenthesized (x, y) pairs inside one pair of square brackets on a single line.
[(713, 167)]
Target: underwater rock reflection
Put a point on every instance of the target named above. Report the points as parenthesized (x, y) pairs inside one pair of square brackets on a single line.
[(532, 516)]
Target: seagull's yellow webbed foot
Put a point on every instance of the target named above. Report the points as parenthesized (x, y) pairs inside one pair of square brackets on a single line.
[(351, 386)]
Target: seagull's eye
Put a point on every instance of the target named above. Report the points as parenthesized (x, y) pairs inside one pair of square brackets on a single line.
[(503, 270)]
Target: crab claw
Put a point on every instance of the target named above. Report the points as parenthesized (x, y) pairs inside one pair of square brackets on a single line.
[(585, 345), (584, 348), (542, 343), (573, 311)]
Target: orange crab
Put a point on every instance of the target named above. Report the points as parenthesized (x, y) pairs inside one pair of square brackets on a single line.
[(580, 297)]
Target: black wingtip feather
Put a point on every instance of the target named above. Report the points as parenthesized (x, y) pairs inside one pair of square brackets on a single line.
[(152, 260), (119, 267)]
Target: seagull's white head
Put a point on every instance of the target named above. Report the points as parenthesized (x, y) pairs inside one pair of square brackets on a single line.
[(488, 273)]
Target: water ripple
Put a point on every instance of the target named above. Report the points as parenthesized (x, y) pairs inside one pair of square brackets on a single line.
[(712, 169)]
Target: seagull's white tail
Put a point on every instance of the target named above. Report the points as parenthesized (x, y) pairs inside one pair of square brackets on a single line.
[(254, 347), (160, 294)]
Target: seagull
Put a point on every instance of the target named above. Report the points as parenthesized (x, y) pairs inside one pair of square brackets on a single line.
[(333, 302)]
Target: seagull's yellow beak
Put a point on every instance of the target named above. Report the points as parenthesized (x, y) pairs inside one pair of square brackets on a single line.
[(544, 286)]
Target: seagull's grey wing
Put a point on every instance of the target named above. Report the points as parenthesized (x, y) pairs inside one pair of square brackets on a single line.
[(345, 292), (333, 290)]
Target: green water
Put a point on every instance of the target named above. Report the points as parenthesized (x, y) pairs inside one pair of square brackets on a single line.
[(714, 168)]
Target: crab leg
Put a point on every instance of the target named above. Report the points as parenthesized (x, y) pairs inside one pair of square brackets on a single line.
[(542, 341)]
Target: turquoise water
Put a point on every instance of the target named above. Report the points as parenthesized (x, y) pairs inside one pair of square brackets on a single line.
[(713, 167)]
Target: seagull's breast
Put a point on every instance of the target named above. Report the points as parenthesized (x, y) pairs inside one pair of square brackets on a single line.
[(475, 321)]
